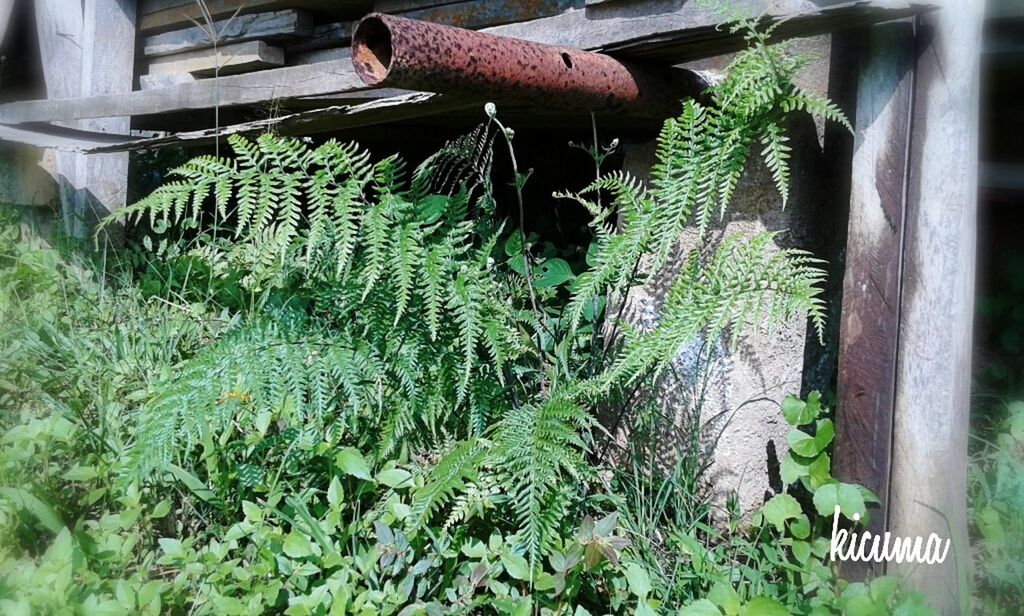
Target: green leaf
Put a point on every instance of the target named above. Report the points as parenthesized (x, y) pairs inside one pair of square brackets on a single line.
[(161, 509), (802, 444), (395, 478), (801, 551), (824, 434), (80, 473), (61, 549), (820, 470), (847, 496), (194, 485), (780, 508), (39, 508), (516, 566), (430, 209), (725, 596), (791, 469), (1015, 419), (796, 411), (352, 462), (514, 245), (335, 492), (553, 272), (800, 527), (297, 545), (171, 547), (474, 549), (764, 606), (638, 580), (700, 607)]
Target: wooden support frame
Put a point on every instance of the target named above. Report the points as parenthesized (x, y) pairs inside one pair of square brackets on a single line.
[(89, 52), (928, 491), (905, 350), (874, 255)]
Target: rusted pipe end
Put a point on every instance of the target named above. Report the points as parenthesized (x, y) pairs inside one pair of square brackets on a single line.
[(372, 49)]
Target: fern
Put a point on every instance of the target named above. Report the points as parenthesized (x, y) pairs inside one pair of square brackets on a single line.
[(701, 156), (743, 284), (387, 316), (536, 447), (397, 282)]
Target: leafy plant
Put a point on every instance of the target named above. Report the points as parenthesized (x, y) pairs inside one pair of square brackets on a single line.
[(328, 384)]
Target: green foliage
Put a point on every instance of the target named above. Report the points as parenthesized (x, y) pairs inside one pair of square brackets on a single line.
[(342, 351), (701, 156), (996, 487), (778, 565), (326, 385)]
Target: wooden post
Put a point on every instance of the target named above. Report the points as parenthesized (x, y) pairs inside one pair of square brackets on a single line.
[(5, 16), (933, 378), (874, 254), (88, 52)]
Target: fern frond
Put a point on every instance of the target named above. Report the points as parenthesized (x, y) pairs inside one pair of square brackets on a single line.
[(743, 284), (536, 447)]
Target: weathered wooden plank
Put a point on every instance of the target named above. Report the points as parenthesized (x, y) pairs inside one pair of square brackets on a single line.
[(874, 254), (393, 109), (163, 15), (255, 26), (603, 30), (158, 15), (397, 6), (5, 16), (475, 14), (61, 138), (168, 80), (642, 29), (331, 54), (280, 83), (108, 59), (60, 33), (236, 58), (933, 380), (337, 34)]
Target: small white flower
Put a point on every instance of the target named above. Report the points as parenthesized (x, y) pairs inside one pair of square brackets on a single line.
[(509, 133), (490, 262)]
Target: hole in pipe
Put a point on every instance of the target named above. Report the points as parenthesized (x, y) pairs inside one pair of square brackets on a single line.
[(566, 60), (372, 50)]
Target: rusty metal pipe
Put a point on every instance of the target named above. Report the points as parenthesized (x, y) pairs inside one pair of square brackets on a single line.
[(389, 51)]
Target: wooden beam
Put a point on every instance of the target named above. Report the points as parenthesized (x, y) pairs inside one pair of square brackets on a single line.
[(866, 384), (933, 381), (108, 57), (61, 138), (230, 59), (271, 26), (642, 29), (163, 15), (5, 17), (381, 111), (337, 34), (476, 14), (280, 83), (61, 39)]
